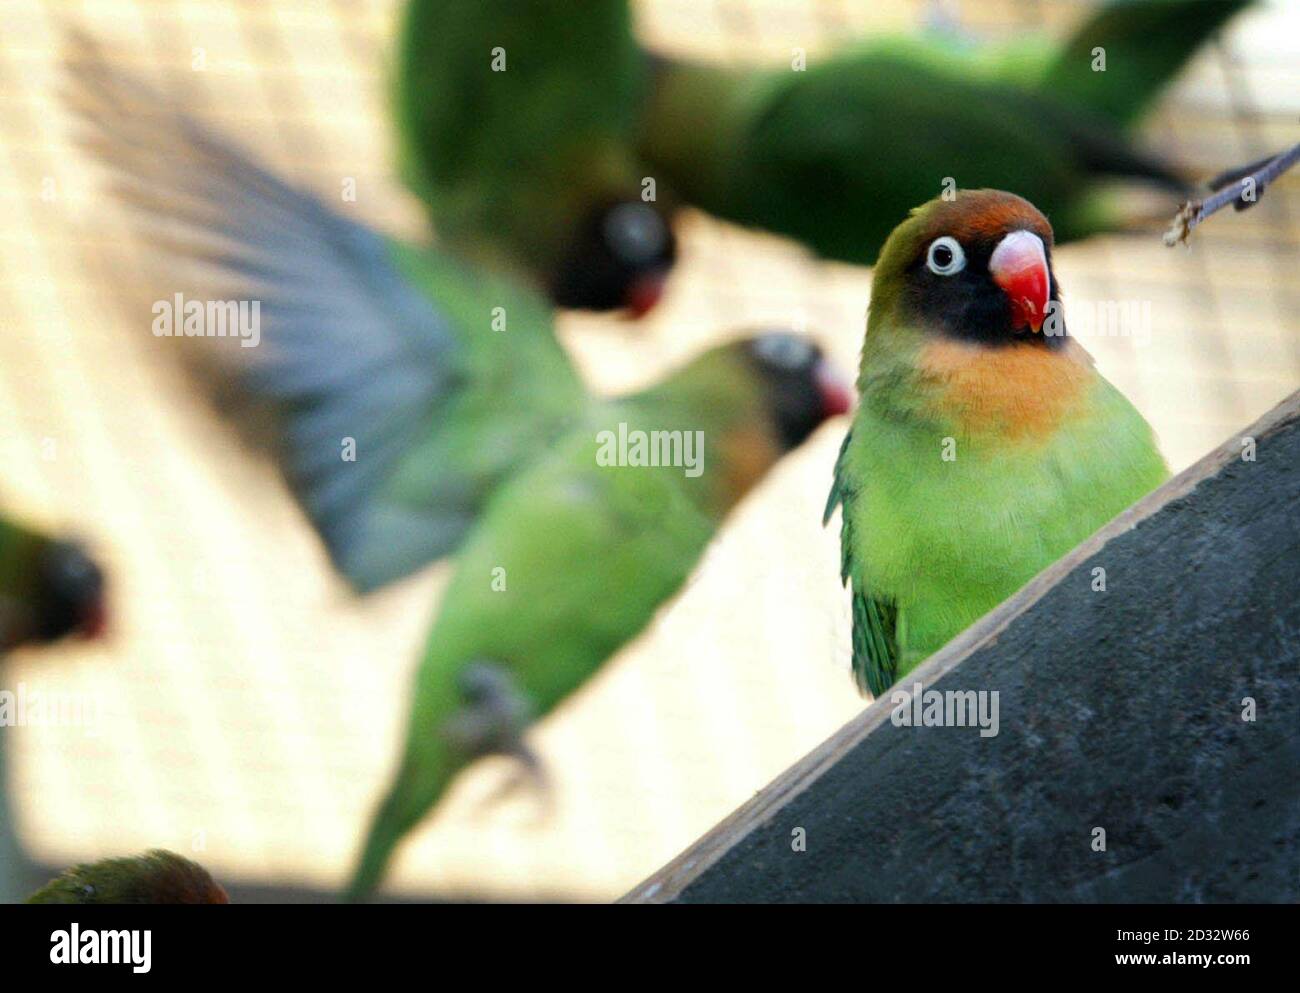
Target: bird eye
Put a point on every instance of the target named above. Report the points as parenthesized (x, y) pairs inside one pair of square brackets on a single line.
[(945, 257), (784, 351), (635, 232)]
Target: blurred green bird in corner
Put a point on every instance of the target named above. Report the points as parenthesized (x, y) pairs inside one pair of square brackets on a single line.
[(827, 150), (575, 518), (985, 445), (49, 589)]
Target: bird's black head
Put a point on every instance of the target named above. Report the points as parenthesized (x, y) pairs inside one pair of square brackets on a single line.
[(803, 389), (70, 593), (977, 268), (619, 258)]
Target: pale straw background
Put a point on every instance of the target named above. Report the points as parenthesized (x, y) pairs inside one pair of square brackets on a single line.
[(248, 708)]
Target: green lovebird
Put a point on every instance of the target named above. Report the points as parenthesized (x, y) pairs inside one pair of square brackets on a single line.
[(512, 128), (156, 877), (49, 588), (833, 153), (573, 557), (985, 445)]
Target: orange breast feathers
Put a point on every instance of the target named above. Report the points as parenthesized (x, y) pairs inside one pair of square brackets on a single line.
[(1017, 391), (745, 453)]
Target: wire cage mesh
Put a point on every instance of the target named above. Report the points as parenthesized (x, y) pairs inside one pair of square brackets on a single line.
[(247, 708)]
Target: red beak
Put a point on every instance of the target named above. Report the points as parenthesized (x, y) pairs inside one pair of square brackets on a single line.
[(1019, 266), (644, 293), (836, 391)]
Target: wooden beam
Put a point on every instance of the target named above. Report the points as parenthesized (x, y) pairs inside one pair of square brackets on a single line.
[(1125, 711)]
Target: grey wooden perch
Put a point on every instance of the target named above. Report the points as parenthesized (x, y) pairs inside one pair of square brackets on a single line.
[(1163, 711)]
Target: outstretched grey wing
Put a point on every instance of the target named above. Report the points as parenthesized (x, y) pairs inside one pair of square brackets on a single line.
[(348, 349)]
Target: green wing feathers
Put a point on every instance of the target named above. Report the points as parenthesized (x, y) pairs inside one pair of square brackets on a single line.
[(1145, 44), (833, 156), (396, 398), (875, 647)]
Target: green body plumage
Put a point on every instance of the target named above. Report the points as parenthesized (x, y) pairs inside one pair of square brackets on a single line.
[(513, 392), (1145, 44), (571, 560), (969, 466), (939, 544)]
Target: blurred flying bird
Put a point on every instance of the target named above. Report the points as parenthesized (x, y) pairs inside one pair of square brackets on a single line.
[(157, 877), (985, 444), (401, 386), (49, 588), (832, 155), (593, 512), (574, 556), (827, 150), (512, 124)]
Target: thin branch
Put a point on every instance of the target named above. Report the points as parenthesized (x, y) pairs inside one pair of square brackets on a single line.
[(1241, 187)]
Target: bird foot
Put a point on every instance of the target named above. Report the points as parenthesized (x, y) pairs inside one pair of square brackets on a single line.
[(527, 775), (494, 721)]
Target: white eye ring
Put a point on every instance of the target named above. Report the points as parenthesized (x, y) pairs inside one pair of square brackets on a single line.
[(783, 350), (956, 257)]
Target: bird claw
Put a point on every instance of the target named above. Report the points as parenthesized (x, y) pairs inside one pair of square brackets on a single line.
[(493, 721), (495, 715), (527, 774)]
